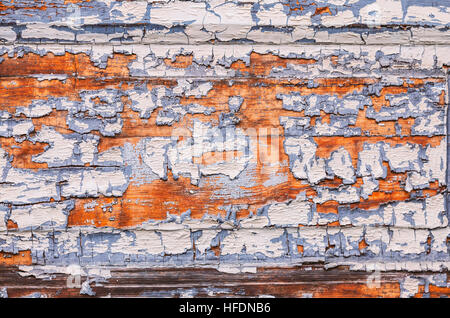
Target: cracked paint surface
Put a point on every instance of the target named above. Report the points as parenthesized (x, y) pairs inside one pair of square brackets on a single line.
[(228, 135)]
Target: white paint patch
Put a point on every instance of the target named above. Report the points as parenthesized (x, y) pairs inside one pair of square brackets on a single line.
[(341, 165), (49, 216), (293, 213), (267, 242)]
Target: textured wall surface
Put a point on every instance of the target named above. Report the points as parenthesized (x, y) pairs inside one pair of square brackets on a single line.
[(217, 148)]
